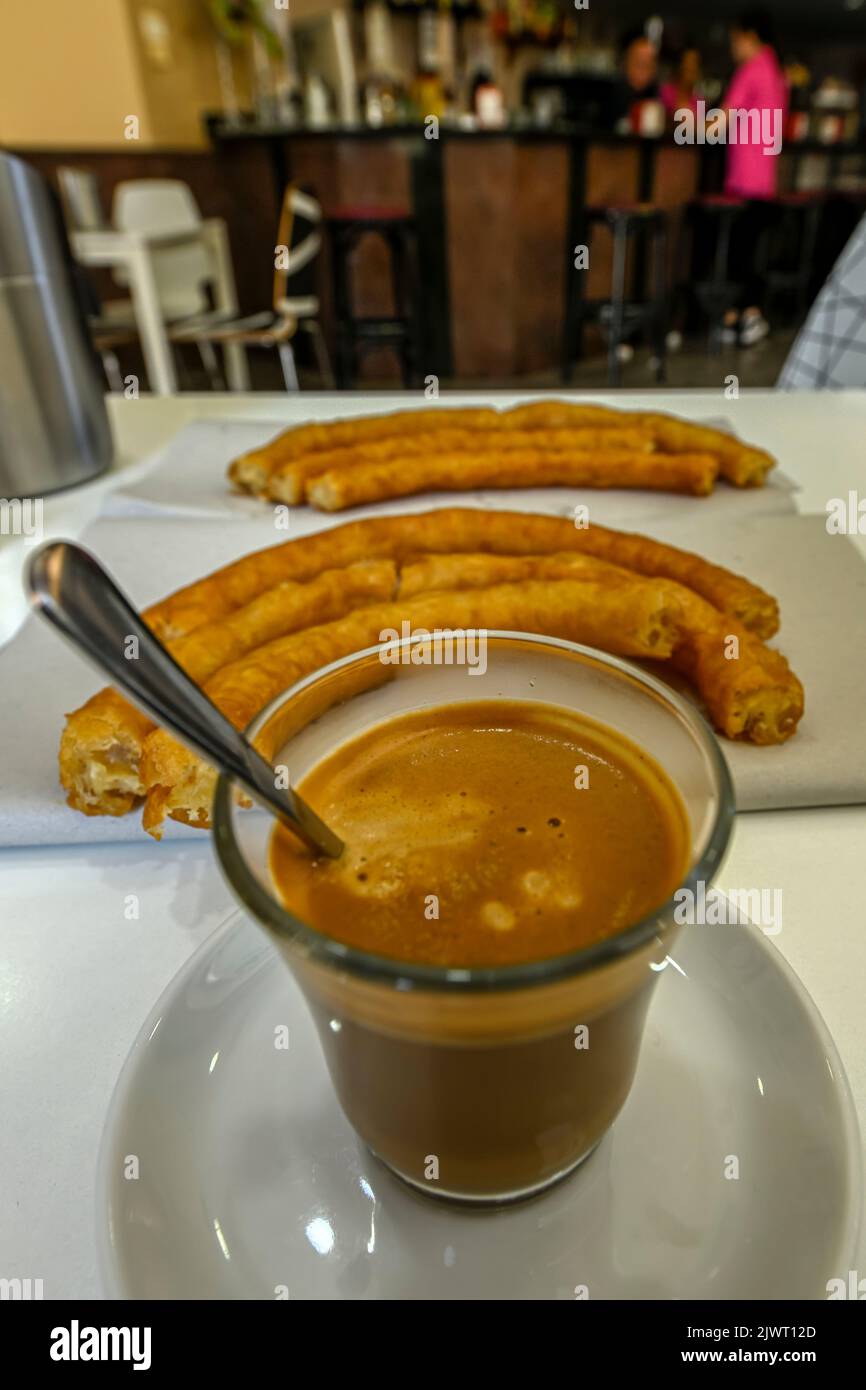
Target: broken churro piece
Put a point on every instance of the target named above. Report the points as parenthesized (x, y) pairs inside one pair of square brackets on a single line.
[(100, 748), (100, 753), (739, 463), (749, 690)]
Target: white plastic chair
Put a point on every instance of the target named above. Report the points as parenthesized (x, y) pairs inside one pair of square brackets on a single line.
[(162, 207), (185, 272), (275, 328), (111, 324)]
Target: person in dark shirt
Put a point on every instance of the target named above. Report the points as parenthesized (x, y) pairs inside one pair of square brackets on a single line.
[(638, 80)]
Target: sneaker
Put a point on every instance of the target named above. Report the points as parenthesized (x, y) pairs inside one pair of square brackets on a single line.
[(753, 329)]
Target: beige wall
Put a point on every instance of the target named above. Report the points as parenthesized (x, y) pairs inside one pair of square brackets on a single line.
[(72, 70), (180, 82), (68, 74)]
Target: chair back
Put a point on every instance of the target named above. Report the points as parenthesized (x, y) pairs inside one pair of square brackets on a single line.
[(183, 272), (299, 234), (80, 199)]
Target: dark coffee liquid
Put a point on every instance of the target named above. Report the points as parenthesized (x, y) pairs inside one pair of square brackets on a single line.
[(485, 833)]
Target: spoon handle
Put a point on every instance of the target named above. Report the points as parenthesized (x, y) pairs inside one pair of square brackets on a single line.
[(69, 587)]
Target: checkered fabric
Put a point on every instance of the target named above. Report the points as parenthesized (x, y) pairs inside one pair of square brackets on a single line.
[(830, 349)]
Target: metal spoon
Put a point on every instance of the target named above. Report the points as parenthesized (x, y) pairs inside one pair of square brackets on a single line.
[(69, 588)]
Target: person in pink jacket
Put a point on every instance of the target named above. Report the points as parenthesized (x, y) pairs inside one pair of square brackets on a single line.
[(756, 103)]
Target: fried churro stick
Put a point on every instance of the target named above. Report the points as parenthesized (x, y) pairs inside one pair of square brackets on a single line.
[(739, 463), (449, 530), (376, 482), (100, 748), (752, 695), (429, 573), (286, 608), (634, 618), (100, 755), (566, 415), (251, 471), (288, 482), (749, 690)]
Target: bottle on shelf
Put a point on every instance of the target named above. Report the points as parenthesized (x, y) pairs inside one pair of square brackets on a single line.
[(382, 95)]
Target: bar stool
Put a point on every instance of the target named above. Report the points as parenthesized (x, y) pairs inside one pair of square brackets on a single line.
[(628, 309), (715, 295), (347, 226), (790, 256)]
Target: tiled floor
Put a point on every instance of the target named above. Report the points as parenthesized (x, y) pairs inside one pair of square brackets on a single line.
[(694, 366)]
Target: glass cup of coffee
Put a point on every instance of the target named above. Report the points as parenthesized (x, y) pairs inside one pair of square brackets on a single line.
[(521, 816)]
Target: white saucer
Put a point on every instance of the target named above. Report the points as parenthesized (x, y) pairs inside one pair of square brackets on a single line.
[(251, 1184)]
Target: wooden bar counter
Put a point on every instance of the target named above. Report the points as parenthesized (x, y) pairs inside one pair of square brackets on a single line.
[(498, 216)]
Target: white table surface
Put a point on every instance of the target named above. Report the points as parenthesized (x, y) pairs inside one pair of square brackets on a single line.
[(77, 979)]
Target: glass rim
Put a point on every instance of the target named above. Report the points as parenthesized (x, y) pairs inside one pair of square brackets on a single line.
[(368, 965)]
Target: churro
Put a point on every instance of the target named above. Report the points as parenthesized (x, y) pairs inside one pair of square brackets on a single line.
[(224, 623), (288, 482), (100, 747), (635, 618), (453, 529), (251, 471), (693, 474), (281, 468)]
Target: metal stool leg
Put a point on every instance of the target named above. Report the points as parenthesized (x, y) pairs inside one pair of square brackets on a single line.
[(210, 363), (720, 274), (287, 361), (320, 351), (575, 309), (346, 364), (580, 298), (343, 245), (111, 367), (659, 311), (404, 273), (398, 252), (807, 256), (620, 252), (723, 249)]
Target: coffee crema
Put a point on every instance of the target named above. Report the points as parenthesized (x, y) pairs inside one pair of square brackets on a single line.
[(485, 833)]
